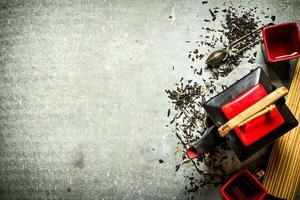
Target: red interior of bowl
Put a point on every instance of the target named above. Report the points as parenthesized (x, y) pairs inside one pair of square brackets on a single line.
[(258, 127), (282, 41), (243, 186)]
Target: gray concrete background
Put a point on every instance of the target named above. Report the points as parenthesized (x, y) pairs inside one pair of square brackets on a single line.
[(82, 101)]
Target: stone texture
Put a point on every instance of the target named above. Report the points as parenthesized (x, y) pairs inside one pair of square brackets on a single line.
[(82, 102)]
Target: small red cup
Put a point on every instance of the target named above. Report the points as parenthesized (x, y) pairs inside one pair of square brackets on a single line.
[(281, 41), (242, 186)]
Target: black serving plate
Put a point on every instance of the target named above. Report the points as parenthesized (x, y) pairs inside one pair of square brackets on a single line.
[(213, 108)]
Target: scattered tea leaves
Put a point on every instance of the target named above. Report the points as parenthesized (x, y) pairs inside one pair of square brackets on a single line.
[(212, 15), (177, 167), (273, 18)]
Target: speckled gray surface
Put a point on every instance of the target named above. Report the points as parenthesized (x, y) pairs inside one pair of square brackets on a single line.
[(82, 102)]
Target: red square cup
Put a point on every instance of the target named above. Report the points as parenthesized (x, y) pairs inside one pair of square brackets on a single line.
[(243, 186), (281, 41)]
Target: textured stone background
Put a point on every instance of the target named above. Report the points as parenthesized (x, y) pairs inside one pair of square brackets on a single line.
[(82, 99)]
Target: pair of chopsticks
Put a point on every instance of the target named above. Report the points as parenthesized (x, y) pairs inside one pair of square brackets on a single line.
[(261, 107)]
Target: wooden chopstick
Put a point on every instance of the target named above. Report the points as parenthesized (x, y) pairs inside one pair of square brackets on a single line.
[(264, 111)]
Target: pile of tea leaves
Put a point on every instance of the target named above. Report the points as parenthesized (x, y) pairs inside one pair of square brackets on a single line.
[(235, 23), (186, 113)]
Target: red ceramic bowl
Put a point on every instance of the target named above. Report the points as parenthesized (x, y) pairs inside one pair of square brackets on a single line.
[(281, 41), (243, 186)]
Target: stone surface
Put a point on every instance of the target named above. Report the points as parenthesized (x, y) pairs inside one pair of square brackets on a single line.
[(82, 101)]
